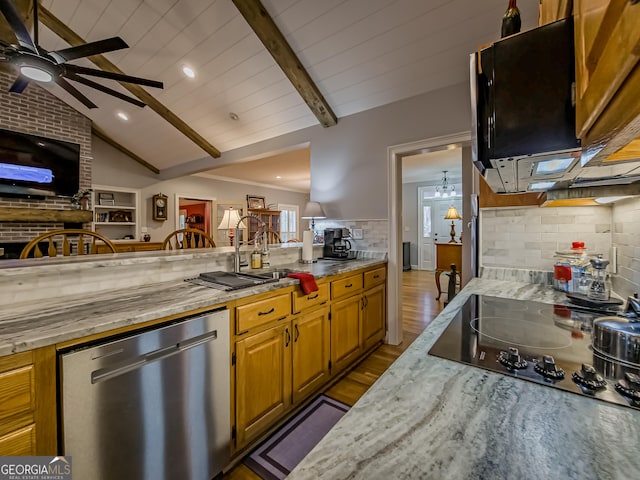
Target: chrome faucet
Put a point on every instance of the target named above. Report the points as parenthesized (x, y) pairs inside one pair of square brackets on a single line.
[(263, 228)]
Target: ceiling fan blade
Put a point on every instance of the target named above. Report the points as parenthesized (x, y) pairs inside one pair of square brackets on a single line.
[(102, 88), (88, 49), (17, 25), (75, 92), (19, 85), (113, 76)]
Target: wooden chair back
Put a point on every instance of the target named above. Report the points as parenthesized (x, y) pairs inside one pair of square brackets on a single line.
[(191, 238), (272, 237), (68, 239)]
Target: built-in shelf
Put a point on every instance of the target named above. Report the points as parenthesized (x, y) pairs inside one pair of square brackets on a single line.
[(116, 212)]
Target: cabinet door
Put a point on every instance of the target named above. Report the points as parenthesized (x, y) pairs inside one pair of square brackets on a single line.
[(346, 332), (373, 316), (606, 38), (310, 352), (263, 380)]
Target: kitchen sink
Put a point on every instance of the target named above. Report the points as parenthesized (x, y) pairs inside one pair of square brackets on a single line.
[(235, 281), (276, 273)]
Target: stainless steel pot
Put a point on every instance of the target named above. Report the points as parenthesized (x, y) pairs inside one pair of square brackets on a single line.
[(618, 338)]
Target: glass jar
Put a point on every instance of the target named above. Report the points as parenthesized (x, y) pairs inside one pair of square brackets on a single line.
[(599, 289)]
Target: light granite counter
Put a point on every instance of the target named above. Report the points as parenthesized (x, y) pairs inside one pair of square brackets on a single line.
[(431, 418), (45, 321)]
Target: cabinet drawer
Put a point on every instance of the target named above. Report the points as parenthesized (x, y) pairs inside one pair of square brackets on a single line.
[(347, 286), (17, 391), (19, 443), (262, 312), (302, 301), (374, 277)]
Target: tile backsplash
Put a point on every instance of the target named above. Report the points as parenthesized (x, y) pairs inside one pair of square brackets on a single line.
[(626, 239), (374, 233), (529, 237)]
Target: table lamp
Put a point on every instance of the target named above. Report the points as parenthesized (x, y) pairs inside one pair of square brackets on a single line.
[(313, 210), (229, 221), (452, 214)]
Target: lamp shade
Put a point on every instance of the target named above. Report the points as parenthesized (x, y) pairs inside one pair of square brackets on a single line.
[(313, 210), (452, 214), (230, 219)]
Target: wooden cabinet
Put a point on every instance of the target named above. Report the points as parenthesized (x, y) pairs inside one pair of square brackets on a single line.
[(133, 246), (115, 212), (263, 380), (262, 312), (446, 255), (28, 403), (311, 351), (373, 316), (607, 39), (346, 332), (271, 218), (347, 286)]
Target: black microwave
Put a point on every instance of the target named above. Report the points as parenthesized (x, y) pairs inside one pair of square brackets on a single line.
[(523, 95)]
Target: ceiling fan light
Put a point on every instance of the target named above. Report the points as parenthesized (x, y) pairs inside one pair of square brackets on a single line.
[(35, 73)]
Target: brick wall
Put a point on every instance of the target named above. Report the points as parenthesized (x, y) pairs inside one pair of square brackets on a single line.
[(38, 112)]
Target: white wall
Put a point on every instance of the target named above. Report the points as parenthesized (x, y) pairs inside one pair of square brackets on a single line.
[(110, 167)]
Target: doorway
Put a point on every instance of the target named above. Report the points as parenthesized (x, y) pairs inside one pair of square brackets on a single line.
[(194, 212), (394, 214)]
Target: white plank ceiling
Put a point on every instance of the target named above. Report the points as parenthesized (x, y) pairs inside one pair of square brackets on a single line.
[(360, 53)]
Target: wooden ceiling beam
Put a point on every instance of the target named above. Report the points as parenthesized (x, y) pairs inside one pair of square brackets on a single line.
[(73, 39), (272, 38), (102, 135)]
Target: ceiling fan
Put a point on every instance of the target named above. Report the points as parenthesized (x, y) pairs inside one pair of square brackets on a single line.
[(37, 64)]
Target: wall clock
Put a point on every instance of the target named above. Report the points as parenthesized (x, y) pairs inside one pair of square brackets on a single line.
[(159, 204)]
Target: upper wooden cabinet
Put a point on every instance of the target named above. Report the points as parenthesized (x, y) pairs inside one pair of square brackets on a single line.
[(607, 41)]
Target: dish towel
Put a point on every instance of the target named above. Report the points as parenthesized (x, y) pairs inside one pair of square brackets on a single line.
[(307, 281)]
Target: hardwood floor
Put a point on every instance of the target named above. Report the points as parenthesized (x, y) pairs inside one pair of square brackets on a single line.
[(419, 308)]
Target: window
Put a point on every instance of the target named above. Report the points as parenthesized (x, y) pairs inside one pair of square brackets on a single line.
[(426, 221), (288, 222)]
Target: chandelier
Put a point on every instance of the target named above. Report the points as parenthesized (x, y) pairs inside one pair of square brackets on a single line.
[(445, 190)]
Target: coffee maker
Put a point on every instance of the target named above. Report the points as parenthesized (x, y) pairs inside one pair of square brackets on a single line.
[(336, 244)]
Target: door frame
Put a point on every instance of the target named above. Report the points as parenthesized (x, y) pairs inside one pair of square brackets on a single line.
[(185, 196), (394, 226)]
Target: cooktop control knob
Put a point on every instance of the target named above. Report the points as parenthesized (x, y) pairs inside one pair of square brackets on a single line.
[(630, 386), (589, 378), (548, 369), (512, 359)]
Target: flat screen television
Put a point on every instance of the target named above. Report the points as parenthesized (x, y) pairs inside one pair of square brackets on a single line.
[(36, 167)]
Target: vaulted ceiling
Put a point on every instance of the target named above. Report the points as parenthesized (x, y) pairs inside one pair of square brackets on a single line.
[(359, 53)]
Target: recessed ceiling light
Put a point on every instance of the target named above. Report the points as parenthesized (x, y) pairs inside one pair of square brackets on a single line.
[(123, 116), (278, 177), (188, 71), (234, 116)]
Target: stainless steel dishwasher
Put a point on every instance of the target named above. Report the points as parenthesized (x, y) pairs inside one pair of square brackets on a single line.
[(152, 406)]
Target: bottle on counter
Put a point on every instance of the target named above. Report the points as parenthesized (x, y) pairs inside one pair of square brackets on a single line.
[(256, 258)]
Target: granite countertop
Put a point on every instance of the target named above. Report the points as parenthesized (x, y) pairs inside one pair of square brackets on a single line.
[(29, 325), (431, 418)]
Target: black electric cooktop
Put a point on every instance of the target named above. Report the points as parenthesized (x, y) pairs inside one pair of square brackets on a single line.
[(542, 343)]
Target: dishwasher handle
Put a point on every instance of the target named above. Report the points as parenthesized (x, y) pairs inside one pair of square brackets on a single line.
[(103, 374)]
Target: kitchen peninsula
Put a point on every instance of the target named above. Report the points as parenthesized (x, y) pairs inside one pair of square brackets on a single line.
[(430, 418)]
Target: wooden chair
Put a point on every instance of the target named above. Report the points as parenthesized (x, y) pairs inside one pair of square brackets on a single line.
[(191, 238), (293, 240), (272, 237), (67, 243)]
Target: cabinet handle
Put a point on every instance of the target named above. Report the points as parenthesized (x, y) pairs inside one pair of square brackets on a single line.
[(267, 313), (376, 276), (348, 285), (281, 318), (288, 340), (311, 297), (295, 339)]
